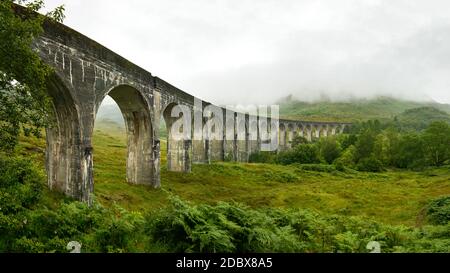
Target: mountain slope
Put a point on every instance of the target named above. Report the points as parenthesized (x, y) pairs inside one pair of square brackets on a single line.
[(420, 118), (363, 109)]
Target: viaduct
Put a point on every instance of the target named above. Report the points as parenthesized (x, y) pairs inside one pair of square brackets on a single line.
[(86, 72)]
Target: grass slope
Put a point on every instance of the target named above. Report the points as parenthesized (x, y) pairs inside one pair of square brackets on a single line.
[(393, 197)]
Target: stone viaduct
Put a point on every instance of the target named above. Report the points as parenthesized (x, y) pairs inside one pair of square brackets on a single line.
[(86, 72)]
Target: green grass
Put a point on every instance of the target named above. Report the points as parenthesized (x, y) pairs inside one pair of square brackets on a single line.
[(393, 197)]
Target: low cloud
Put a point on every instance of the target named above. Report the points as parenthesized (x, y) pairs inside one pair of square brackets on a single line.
[(247, 51)]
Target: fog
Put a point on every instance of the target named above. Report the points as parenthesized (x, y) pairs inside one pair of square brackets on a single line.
[(254, 51)]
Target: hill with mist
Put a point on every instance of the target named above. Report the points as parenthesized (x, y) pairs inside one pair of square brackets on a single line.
[(381, 108)]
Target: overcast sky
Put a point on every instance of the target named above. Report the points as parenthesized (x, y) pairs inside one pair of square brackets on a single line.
[(256, 51)]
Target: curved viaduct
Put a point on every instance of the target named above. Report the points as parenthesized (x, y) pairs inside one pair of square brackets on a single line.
[(86, 72)]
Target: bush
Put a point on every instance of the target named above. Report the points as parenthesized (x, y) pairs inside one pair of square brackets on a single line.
[(236, 228), (261, 157), (438, 211), (303, 154), (21, 184), (370, 164), (347, 158), (329, 149)]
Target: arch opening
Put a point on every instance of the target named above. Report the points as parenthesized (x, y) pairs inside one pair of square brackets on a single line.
[(127, 118)]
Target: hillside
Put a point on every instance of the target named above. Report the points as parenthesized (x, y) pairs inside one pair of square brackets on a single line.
[(300, 207), (350, 111), (394, 197), (419, 118)]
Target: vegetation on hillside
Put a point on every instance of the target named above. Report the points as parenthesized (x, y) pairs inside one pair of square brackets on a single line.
[(372, 146), (31, 223), (381, 108)]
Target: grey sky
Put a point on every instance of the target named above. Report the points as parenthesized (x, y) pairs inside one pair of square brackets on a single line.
[(256, 51)]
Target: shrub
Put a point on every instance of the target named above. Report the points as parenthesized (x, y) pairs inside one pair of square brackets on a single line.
[(370, 164), (329, 149), (261, 157), (21, 184), (438, 211), (304, 154), (347, 158)]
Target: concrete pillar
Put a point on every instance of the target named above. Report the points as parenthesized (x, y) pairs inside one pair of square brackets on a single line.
[(241, 137), (229, 136), (309, 129), (282, 137), (198, 141), (178, 120), (290, 136), (301, 131), (217, 135), (325, 130), (253, 134), (333, 129), (318, 128)]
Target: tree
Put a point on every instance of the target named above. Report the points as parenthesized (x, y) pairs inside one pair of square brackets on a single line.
[(409, 151), (437, 143), (330, 149), (24, 104), (365, 144)]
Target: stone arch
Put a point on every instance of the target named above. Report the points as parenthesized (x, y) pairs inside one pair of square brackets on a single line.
[(323, 130), (68, 154), (338, 129), (300, 130), (307, 129), (136, 113), (179, 146), (316, 131), (290, 134)]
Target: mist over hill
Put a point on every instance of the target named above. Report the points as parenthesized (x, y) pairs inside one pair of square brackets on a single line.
[(353, 109)]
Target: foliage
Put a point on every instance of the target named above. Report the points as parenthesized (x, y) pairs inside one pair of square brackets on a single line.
[(370, 164), (305, 153), (208, 226), (438, 211), (236, 228), (418, 119), (297, 140), (437, 143), (329, 149), (408, 151), (24, 105), (261, 157), (20, 184)]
